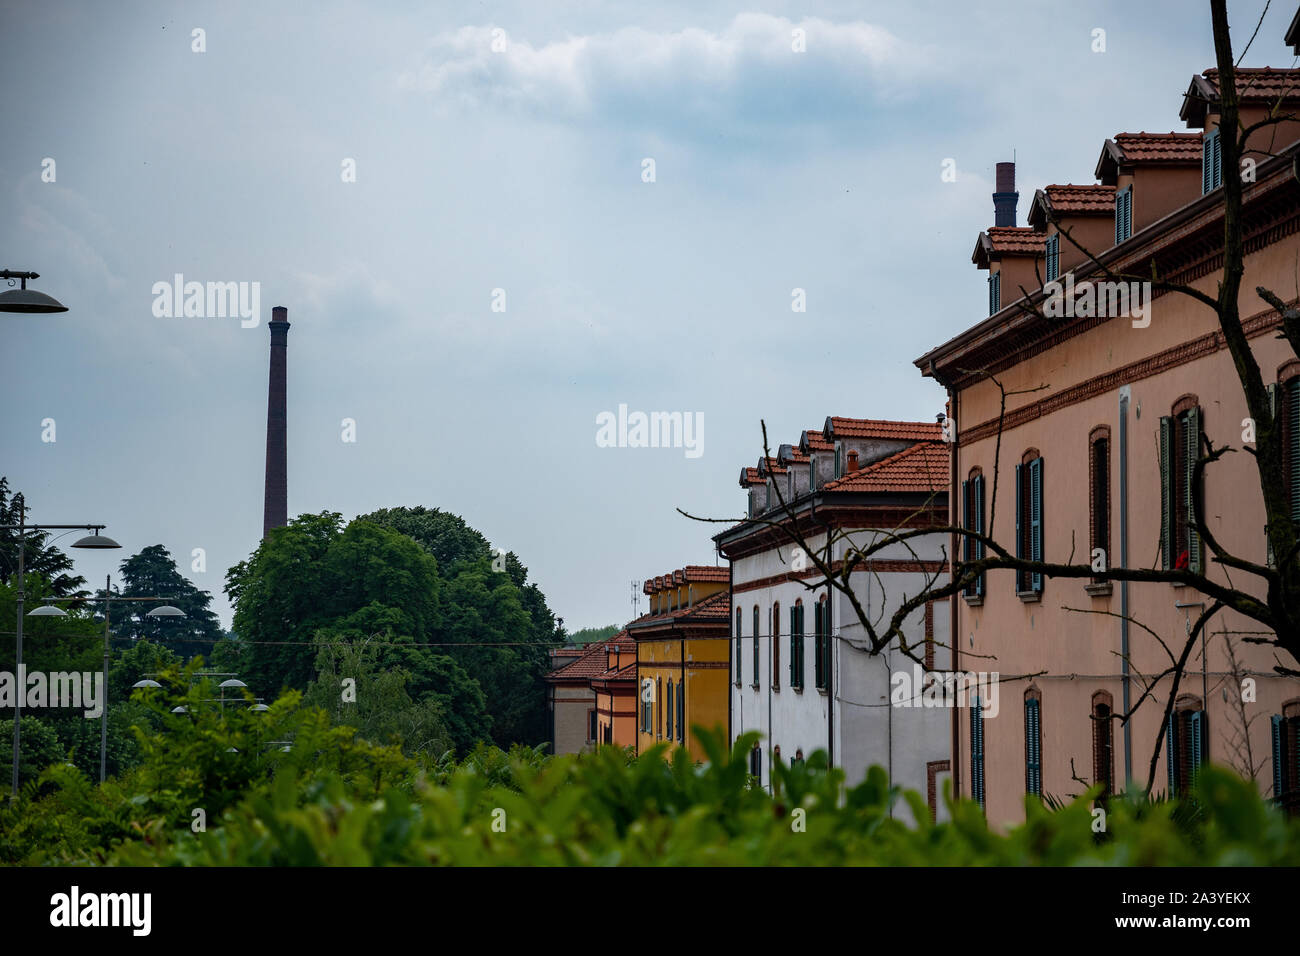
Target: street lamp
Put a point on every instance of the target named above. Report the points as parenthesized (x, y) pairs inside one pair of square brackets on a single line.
[(95, 540), (25, 299)]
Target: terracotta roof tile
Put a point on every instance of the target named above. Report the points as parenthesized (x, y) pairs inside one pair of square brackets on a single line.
[(1254, 87), (713, 607), (770, 465), (706, 572), (875, 428), (1014, 241), (1160, 147), (749, 476), (591, 664), (812, 440), (923, 467), (1082, 200)]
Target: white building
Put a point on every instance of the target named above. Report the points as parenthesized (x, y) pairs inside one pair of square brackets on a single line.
[(799, 672)]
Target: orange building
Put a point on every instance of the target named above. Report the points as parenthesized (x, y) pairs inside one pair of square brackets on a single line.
[(616, 692), (682, 652), (1106, 409)]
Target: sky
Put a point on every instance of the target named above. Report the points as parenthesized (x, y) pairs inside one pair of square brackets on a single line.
[(491, 223)]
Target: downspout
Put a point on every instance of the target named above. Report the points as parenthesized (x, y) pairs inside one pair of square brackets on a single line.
[(1125, 395), (954, 605), (771, 630)]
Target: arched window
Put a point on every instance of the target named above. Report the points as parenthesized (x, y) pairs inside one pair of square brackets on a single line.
[(681, 711), (1099, 497), (1286, 757), (776, 645), (1187, 743), (1103, 743), (972, 496), (1029, 520), (796, 645), (1180, 446), (668, 711), (756, 640), (1033, 741)]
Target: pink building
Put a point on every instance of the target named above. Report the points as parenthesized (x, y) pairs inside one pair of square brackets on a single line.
[(1103, 415)]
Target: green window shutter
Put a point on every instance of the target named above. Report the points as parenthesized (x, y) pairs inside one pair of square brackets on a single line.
[(756, 645), (1020, 520), (1033, 749), (1292, 449), (1279, 763), (995, 292), (1209, 152), (1036, 519), (669, 713), (1193, 451), (977, 751), (1196, 749), (1216, 165), (1171, 752), (979, 527), (793, 624), (1053, 249), (966, 521), (1166, 493), (1272, 390)]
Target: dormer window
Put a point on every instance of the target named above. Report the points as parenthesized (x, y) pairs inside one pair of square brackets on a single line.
[(1053, 249), (1211, 163), (995, 293), (1123, 214)]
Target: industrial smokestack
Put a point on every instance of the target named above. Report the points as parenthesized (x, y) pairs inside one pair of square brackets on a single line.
[(1006, 197), (275, 512)]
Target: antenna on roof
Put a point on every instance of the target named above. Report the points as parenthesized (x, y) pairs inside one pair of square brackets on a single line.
[(636, 599)]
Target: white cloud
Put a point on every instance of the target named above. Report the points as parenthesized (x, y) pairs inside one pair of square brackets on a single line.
[(745, 74)]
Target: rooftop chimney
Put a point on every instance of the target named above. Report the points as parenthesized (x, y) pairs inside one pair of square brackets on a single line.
[(275, 509), (853, 461), (1005, 198)]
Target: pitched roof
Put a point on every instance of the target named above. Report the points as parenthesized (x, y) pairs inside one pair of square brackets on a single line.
[(770, 465), (791, 455), (713, 608), (749, 476), (998, 241), (706, 572), (591, 664), (1254, 86), (1161, 149), (812, 440), (1071, 200), (922, 467), (836, 427)]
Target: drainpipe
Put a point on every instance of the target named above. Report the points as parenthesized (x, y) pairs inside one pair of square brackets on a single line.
[(771, 647), (1125, 396), (954, 604)]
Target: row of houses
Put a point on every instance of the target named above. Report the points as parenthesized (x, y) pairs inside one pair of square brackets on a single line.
[(1065, 437)]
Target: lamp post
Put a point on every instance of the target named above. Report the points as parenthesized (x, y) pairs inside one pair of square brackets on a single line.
[(93, 541), (165, 610), (25, 299)]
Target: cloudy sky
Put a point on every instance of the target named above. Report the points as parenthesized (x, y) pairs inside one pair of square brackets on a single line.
[(503, 146)]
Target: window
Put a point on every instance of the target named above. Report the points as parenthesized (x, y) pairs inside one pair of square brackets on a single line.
[(1123, 214), (1103, 744), (681, 712), (1284, 402), (1180, 442), (822, 643), (668, 712), (977, 751), (839, 461), (1053, 249), (776, 646), (756, 638), (756, 762), (1211, 162), (1033, 742), (1029, 520), (796, 645), (1099, 496), (659, 718), (739, 651), (812, 473), (1286, 757), (972, 496), (995, 292), (1186, 744), (591, 726)]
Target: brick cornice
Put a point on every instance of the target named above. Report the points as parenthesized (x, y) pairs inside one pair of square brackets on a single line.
[(1190, 351)]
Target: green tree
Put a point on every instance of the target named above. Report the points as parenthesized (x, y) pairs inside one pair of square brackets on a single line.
[(153, 573), (39, 557)]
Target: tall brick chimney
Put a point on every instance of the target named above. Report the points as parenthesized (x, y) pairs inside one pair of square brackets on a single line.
[(1006, 197), (275, 512)]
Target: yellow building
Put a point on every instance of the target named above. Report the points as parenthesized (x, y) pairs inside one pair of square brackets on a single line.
[(683, 658)]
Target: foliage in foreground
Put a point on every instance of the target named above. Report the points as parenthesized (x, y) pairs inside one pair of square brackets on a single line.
[(332, 798)]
